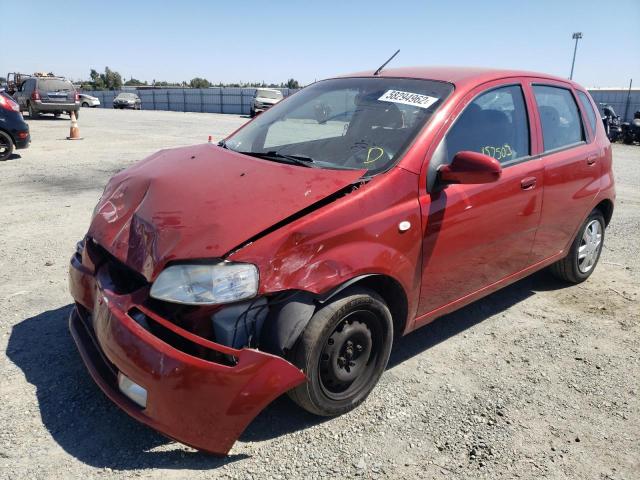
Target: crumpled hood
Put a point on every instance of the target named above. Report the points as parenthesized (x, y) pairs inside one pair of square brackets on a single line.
[(201, 202)]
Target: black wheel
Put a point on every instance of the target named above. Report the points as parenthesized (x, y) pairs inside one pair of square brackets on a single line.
[(32, 112), (252, 113), (585, 251), (343, 351), (85, 104), (6, 146), (56, 114)]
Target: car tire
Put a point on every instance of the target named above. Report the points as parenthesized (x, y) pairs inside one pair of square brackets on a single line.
[(6, 146), (343, 351), (56, 114), (252, 113), (85, 104), (32, 112), (585, 251)]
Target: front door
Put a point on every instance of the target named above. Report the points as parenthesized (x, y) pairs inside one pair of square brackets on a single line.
[(476, 235)]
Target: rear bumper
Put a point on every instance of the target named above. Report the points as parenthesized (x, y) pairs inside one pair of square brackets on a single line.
[(56, 107), (198, 402), (23, 143)]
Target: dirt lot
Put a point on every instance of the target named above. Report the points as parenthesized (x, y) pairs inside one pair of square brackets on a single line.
[(540, 380)]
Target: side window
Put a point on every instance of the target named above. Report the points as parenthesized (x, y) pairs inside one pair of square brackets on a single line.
[(559, 115), (588, 108), (495, 124)]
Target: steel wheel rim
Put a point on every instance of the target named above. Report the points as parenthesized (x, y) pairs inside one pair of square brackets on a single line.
[(590, 246), (350, 354)]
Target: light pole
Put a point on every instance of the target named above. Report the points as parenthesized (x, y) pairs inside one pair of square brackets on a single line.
[(576, 36)]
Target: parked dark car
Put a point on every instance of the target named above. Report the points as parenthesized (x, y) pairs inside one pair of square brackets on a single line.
[(47, 94), (631, 130), (127, 100), (14, 131), (612, 123)]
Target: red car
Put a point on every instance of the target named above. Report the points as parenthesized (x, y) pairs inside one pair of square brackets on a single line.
[(215, 278)]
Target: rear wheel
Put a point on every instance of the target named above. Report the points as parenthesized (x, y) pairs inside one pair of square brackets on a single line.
[(585, 251), (343, 351), (85, 104), (32, 112), (6, 146)]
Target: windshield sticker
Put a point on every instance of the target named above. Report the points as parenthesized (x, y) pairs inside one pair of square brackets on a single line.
[(408, 98)]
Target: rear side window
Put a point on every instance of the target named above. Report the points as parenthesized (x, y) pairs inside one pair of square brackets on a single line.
[(494, 124), (588, 107), (559, 115)]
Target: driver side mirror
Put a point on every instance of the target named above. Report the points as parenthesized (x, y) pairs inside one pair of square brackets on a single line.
[(470, 168)]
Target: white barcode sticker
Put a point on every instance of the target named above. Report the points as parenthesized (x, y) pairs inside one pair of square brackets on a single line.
[(408, 98)]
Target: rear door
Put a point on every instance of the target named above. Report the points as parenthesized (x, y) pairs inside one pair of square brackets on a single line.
[(477, 235), (572, 160)]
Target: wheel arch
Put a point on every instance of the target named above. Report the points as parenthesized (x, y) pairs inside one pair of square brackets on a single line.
[(10, 135), (288, 319), (606, 208)]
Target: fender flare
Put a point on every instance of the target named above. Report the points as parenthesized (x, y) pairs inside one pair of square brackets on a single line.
[(287, 321)]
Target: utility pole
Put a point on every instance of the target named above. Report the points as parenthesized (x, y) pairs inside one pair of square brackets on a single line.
[(576, 36)]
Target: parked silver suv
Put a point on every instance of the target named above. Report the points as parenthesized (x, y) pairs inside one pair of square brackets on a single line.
[(47, 94)]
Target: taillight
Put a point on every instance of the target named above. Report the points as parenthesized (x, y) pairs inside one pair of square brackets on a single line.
[(77, 97), (8, 104), (35, 95)]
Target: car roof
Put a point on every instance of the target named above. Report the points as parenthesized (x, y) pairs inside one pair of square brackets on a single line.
[(459, 76)]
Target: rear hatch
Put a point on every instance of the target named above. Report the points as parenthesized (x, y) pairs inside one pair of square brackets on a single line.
[(55, 90)]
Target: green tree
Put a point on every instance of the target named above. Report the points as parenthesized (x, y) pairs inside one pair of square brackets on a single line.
[(292, 83), (199, 83), (132, 82), (112, 79)]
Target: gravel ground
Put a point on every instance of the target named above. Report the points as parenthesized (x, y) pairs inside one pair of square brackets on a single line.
[(540, 380)]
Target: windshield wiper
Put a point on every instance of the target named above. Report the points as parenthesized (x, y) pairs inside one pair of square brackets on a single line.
[(301, 160)]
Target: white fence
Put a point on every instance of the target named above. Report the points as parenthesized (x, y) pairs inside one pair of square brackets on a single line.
[(210, 100)]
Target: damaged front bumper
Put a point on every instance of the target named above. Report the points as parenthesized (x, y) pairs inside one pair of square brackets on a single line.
[(199, 402)]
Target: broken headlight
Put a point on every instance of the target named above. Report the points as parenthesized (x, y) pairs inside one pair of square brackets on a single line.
[(206, 284)]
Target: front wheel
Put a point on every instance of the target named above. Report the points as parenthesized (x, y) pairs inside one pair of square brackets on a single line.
[(6, 146), (585, 251), (85, 104), (343, 351)]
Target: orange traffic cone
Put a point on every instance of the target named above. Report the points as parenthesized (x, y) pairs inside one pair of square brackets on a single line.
[(74, 132)]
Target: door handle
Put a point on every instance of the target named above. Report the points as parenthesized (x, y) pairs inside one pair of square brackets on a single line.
[(591, 159), (528, 183)]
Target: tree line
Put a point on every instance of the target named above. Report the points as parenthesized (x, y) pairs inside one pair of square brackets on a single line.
[(112, 80)]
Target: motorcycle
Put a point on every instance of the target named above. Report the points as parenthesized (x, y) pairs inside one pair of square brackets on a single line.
[(631, 130), (611, 122)]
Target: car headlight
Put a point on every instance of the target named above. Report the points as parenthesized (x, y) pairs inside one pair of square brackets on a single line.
[(206, 284)]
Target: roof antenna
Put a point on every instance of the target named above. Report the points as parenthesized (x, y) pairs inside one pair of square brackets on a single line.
[(385, 63)]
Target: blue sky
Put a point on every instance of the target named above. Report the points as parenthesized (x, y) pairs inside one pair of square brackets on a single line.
[(273, 41)]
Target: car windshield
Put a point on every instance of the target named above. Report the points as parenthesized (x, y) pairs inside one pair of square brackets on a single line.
[(347, 123), (55, 85), (126, 96), (275, 95)]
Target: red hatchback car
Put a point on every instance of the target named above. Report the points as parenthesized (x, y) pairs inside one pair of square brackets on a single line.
[(215, 278)]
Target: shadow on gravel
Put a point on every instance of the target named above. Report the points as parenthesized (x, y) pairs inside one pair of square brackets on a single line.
[(89, 427), (77, 414)]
